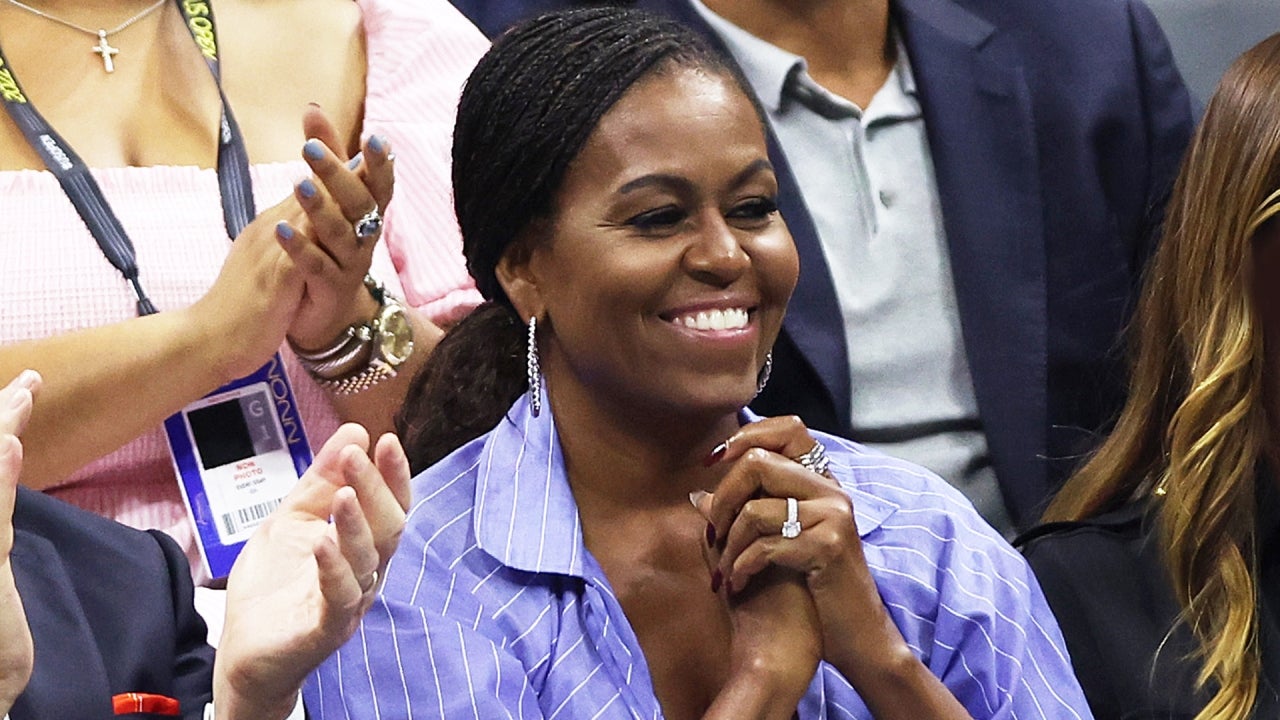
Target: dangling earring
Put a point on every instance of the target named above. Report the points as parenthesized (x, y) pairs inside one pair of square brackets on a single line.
[(534, 369), (763, 378)]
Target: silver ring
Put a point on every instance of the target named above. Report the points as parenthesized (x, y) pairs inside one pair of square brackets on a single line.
[(368, 225), (372, 583), (791, 528), (815, 459)]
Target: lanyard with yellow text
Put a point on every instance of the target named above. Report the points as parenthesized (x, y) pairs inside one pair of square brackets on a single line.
[(82, 190)]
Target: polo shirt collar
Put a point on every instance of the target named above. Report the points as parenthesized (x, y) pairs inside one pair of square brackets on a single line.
[(769, 69), (765, 65)]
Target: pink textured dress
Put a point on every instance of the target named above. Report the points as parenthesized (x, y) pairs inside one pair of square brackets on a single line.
[(54, 279)]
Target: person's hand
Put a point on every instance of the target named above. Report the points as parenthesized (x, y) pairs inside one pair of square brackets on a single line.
[(301, 584), (16, 653), (326, 247), (255, 297), (774, 649), (297, 269), (746, 514)]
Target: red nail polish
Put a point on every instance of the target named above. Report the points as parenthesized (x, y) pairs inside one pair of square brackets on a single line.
[(711, 535), (716, 454), (716, 579)]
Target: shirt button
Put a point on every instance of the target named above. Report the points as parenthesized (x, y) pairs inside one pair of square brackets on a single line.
[(886, 198)]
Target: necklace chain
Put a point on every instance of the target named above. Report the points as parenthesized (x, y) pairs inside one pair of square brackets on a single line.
[(96, 33), (103, 47)]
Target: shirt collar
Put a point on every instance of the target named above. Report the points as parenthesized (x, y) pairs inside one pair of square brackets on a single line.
[(765, 65), (896, 99), (525, 515), (768, 69)]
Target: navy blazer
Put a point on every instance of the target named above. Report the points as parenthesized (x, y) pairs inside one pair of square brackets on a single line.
[(110, 610), (1056, 128)]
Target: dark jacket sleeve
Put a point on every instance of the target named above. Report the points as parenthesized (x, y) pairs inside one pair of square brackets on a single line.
[(110, 611), (1109, 591), (192, 656)]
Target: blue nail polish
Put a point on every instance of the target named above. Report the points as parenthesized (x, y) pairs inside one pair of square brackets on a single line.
[(354, 162), (313, 149), (378, 144), (284, 231), (307, 188)]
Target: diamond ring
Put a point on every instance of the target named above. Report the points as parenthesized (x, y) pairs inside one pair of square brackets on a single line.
[(791, 528), (815, 459)]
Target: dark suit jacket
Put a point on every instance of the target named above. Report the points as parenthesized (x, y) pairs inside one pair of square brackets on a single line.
[(1055, 126), (110, 610)]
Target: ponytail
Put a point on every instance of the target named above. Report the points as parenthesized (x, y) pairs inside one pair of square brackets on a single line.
[(471, 379)]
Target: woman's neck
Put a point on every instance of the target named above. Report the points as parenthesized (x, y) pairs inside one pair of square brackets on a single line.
[(621, 455)]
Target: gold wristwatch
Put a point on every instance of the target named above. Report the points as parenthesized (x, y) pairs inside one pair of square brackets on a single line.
[(366, 353)]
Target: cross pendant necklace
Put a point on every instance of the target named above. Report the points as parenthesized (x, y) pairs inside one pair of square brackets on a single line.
[(103, 48), (107, 52)]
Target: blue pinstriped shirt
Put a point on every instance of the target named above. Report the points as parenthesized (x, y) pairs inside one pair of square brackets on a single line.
[(493, 608)]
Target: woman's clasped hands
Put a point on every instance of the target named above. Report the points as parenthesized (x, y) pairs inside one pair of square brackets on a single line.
[(783, 547)]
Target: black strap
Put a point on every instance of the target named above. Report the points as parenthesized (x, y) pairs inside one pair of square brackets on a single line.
[(233, 160), (82, 190)]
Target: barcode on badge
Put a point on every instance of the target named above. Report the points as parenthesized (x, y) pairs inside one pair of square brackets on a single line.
[(246, 518)]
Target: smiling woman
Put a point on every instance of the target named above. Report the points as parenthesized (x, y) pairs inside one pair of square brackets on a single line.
[(618, 211)]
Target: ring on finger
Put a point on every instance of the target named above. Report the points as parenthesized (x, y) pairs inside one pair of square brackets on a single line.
[(815, 459), (370, 583), (791, 528), (369, 224)]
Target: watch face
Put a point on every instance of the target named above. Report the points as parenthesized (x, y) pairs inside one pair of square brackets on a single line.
[(395, 337)]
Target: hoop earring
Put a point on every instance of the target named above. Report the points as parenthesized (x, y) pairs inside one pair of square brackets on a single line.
[(534, 369), (763, 378)]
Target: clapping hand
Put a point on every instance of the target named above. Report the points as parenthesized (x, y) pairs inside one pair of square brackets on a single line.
[(334, 246), (16, 653), (297, 269), (302, 583)]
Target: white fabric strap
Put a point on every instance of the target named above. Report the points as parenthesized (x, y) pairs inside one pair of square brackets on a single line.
[(298, 712)]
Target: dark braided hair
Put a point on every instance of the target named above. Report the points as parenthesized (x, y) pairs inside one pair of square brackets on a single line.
[(525, 114)]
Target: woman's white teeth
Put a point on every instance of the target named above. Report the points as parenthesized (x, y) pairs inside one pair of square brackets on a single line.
[(730, 319)]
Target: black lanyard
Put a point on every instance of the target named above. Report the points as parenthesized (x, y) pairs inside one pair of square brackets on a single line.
[(77, 182)]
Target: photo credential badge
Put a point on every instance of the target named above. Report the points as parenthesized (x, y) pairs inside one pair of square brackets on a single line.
[(237, 452)]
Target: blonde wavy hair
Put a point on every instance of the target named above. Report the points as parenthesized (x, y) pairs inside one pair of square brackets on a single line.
[(1196, 426)]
